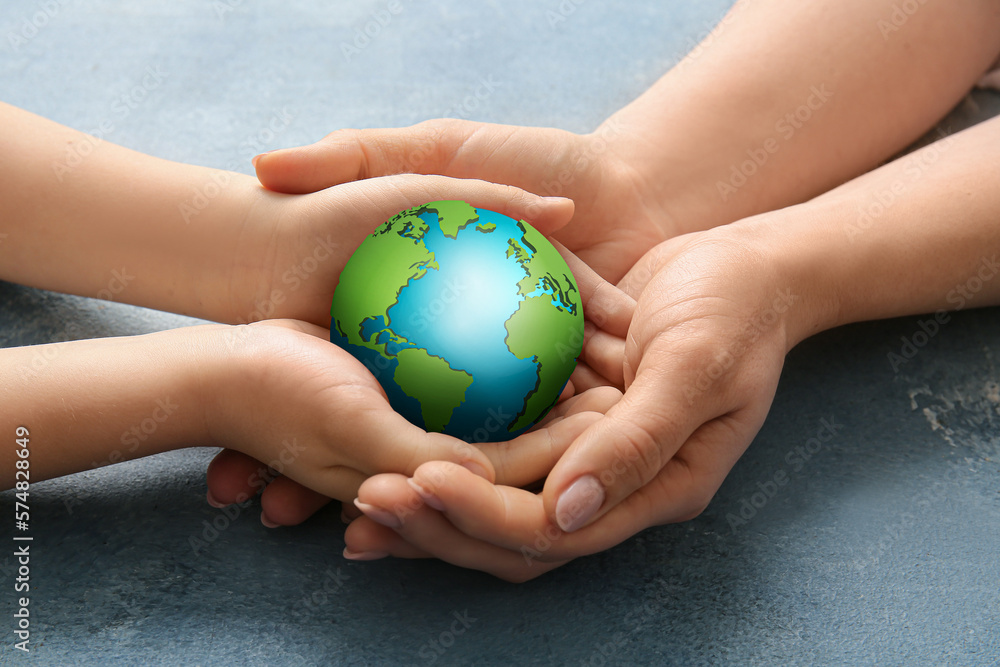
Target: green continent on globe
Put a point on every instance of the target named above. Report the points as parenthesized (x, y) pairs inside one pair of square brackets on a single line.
[(384, 269), (537, 329), (416, 369), (452, 216), (470, 320)]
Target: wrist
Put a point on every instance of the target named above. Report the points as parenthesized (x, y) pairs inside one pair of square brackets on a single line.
[(241, 367), (232, 233), (801, 266)]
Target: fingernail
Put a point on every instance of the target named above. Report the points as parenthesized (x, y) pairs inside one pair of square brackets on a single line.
[(379, 515), (476, 469), (429, 498), (343, 517), (553, 200), (267, 522), (213, 502), (254, 159), (364, 555), (579, 503)]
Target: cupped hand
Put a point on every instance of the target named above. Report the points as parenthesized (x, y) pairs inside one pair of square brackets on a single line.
[(310, 411), (704, 352), (620, 214)]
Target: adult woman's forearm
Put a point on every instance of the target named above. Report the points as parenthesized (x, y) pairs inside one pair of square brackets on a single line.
[(87, 217), (785, 100)]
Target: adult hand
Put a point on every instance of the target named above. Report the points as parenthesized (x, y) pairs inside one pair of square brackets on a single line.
[(716, 314), (619, 214)]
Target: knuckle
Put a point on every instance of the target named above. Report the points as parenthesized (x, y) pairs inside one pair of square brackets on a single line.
[(637, 456), (691, 512)]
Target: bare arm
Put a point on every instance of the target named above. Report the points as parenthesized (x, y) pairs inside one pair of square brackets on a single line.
[(88, 217), (91, 403), (785, 100)]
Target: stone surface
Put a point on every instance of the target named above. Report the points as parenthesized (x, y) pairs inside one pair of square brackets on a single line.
[(880, 548)]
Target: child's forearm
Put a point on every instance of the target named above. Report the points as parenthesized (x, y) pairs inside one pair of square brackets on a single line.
[(918, 235), (90, 403), (88, 217), (785, 100)]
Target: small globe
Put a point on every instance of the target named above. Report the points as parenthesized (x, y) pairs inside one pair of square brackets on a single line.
[(470, 320)]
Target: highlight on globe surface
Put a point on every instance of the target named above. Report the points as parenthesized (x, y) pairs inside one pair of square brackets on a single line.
[(470, 320)]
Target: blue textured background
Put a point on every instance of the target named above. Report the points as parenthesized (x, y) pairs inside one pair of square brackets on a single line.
[(882, 547)]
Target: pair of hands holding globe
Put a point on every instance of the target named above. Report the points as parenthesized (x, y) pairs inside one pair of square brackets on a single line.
[(678, 370)]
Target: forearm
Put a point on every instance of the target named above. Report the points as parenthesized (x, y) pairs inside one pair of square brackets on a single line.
[(96, 402), (918, 235), (785, 100), (88, 217)]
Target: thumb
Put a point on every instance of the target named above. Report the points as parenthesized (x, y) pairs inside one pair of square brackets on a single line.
[(628, 448), (350, 155)]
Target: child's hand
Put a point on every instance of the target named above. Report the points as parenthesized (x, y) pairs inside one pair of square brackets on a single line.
[(715, 316), (289, 252), (314, 413), (619, 215)]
